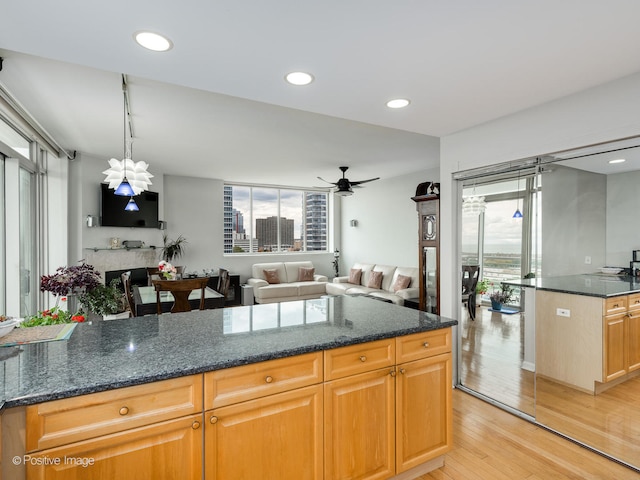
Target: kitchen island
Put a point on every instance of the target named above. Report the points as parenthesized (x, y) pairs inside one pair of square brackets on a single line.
[(323, 388), (587, 329)]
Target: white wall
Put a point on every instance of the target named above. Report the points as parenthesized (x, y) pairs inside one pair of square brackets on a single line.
[(84, 199), (603, 113), (387, 231), (574, 215), (623, 229), (194, 209)]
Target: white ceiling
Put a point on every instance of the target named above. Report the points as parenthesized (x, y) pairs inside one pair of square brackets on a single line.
[(216, 105)]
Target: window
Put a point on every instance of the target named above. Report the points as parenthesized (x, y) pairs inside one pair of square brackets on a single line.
[(261, 219)]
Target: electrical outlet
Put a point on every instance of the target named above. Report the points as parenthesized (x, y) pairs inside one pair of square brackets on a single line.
[(587, 260), (563, 312)]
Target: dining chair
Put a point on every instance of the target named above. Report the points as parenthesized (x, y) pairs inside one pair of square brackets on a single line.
[(126, 285), (224, 281), (470, 274), (180, 289)]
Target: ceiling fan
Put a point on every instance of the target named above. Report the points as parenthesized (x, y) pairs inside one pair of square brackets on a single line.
[(343, 185)]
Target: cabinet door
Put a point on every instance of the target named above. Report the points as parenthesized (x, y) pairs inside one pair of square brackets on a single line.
[(170, 450), (614, 346), (279, 437), (423, 411), (633, 340), (359, 416)]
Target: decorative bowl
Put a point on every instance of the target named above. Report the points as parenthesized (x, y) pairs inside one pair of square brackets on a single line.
[(610, 270), (7, 325)]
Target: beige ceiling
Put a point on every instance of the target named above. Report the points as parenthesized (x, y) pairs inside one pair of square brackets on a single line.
[(216, 105)]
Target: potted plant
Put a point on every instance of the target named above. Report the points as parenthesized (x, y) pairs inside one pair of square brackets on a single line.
[(482, 287), (501, 296), (105, 300), (69, 282), (173, 248)]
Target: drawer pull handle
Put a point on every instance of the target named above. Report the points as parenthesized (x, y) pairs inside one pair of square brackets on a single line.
[(402, 371), (363, 358), (615, 305), (426, 344), (392, 373), (268, 379), (213, 419), (124, 411), (195, 425)]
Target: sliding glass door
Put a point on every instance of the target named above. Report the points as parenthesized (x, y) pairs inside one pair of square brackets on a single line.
[(498, 218)]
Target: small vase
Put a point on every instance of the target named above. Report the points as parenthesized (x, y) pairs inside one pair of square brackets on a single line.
[(495, 305)]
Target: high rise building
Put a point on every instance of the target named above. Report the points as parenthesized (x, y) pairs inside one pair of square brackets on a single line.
[(238, 221), (228, 218), (267, 233), (315, 227)]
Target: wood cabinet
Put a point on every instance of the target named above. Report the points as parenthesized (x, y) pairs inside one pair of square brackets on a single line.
[(428, 206), (265, 417), (392, 419), (621, 336), (145, 432), (359, 411), (167, 450), (374, 410), (633, 335), (424, 415), (278, 436)]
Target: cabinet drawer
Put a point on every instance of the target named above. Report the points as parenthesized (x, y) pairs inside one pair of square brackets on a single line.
[(60, 422), (633, 301), (345, 361), (615, 305), (423, 345), (237, 384)]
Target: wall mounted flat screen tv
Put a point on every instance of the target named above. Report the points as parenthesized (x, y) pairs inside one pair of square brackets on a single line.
[(113, 214)]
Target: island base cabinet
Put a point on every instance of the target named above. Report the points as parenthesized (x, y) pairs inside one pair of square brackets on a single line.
[(170, 450), (424, 424), (359, 413), (633, 324), (615, 359), (278, 436)]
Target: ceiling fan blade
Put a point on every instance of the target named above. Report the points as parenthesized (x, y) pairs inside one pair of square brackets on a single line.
[(353, 184), (332, 183)]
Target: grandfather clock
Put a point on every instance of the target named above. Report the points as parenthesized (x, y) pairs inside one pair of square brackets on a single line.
[(428, 205)]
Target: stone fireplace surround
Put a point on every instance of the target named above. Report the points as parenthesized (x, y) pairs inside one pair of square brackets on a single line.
[(111, 262)]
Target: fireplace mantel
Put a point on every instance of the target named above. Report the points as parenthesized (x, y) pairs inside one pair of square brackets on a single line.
[(107, 259)]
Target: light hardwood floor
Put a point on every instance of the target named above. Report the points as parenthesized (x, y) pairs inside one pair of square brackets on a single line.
[(492, 444), (492, 355)]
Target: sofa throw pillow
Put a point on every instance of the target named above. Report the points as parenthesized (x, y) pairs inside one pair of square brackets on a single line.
[(401, 283), (354, 276), (271, 276), (375, 280), (305, 274)]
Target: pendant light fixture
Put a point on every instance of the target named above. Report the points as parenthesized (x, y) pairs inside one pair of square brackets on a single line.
[(518, 213), (124, 189), (473, 204), (127, 177), (132, 206)]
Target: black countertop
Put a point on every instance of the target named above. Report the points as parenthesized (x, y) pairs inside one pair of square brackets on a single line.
[(592, 285), (116, 353)]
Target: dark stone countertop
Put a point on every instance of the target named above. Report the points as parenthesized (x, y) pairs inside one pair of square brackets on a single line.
[(592, 285), (117, 353)]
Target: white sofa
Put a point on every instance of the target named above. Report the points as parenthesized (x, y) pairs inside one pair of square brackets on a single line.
[(341, 285), (288, 288)]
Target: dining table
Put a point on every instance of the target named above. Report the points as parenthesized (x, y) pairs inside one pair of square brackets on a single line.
[(144, 299)]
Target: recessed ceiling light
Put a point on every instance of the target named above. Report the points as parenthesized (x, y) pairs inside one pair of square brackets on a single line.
[(299, 78), (398, 103), (617, 160), (153, 41)]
